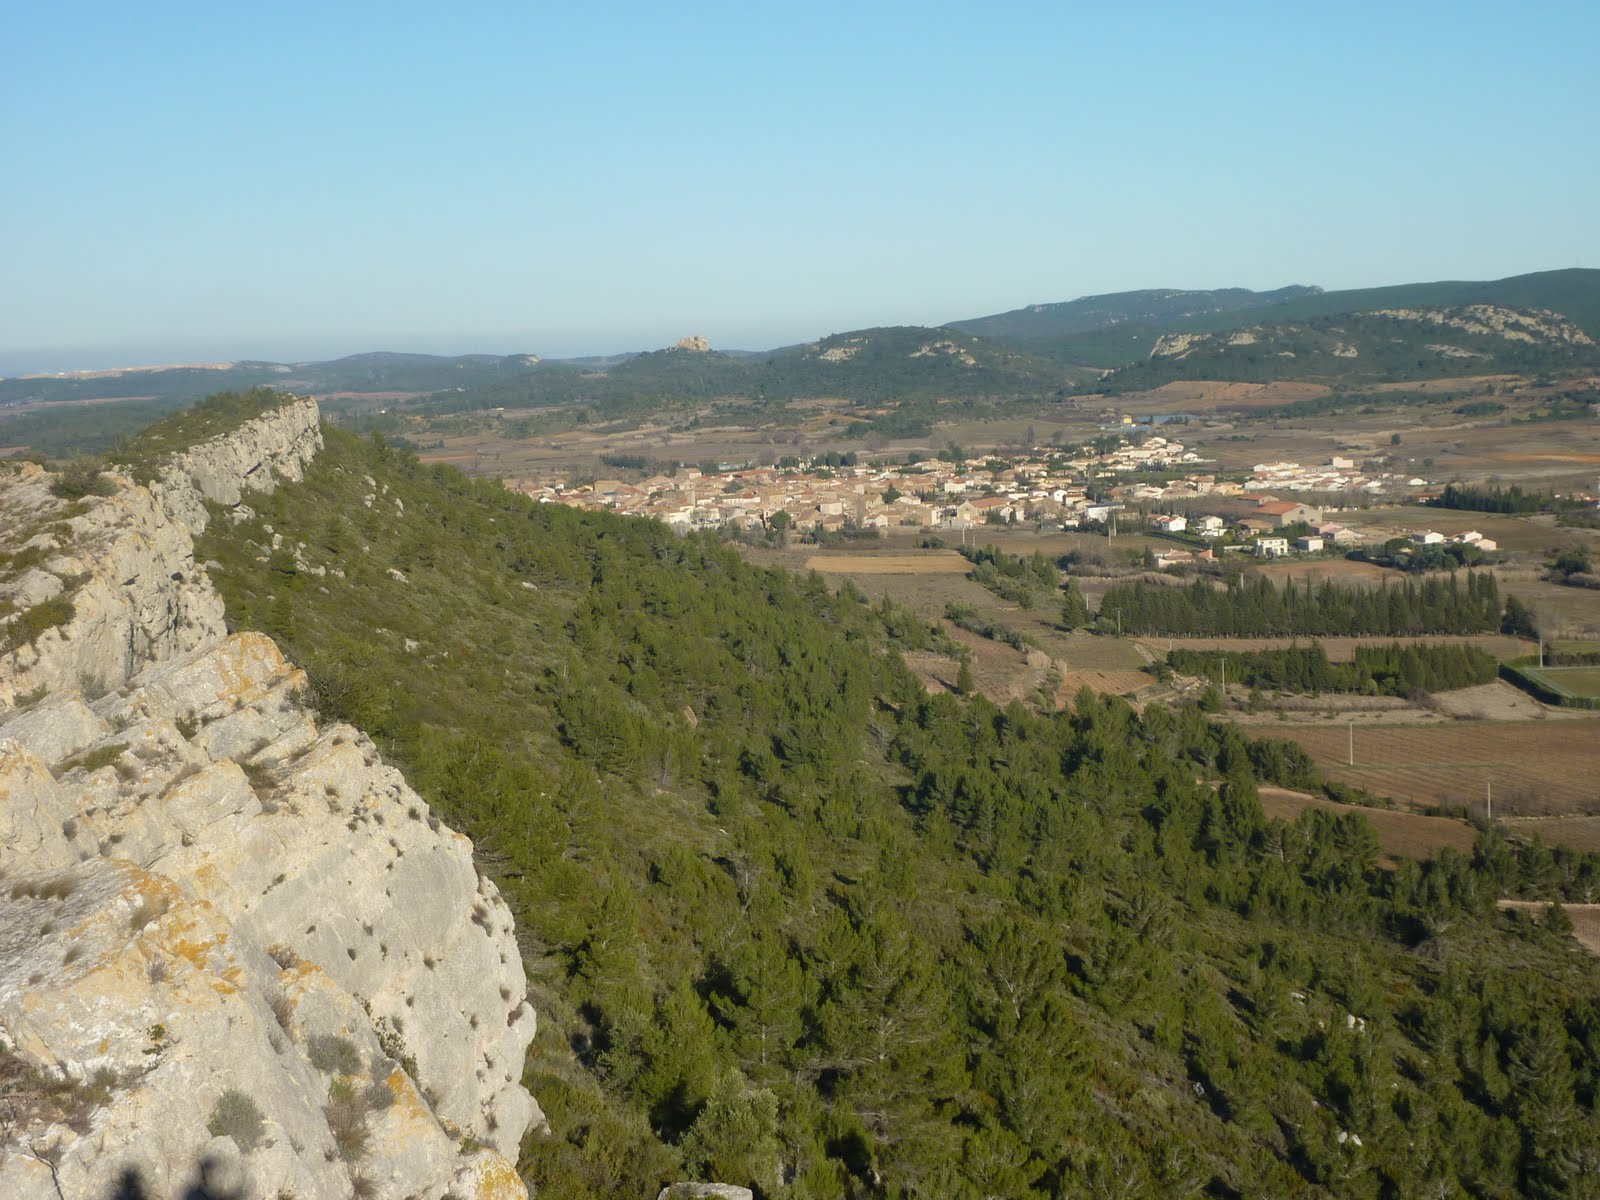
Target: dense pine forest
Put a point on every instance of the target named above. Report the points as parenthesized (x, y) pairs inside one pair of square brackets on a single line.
[(1256, 607), (793, 923)]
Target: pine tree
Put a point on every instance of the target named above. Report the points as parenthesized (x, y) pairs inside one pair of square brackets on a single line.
[(1074, 608)]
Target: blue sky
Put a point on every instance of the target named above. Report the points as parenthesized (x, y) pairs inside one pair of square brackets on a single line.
[(186, 181)]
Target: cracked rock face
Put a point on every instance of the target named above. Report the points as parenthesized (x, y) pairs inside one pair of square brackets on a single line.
[(233, 943)]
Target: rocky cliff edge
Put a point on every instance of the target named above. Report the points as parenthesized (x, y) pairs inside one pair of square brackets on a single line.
[(237, 951)]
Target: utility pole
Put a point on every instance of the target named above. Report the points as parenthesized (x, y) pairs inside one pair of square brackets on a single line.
[(1488, 799), (1352, 743)]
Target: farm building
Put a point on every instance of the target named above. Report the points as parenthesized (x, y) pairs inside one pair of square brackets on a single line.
[(1288, 512)]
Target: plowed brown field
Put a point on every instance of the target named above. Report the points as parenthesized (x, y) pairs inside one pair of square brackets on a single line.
[(1536, 768)]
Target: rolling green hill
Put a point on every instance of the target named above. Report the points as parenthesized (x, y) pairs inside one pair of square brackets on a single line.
[(1574, 293), (1388, 345), (1106, 331), (1033, 354), (1154, 308), (794, 923)]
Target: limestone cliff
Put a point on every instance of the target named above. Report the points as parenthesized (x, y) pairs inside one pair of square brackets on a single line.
[(235, 948)]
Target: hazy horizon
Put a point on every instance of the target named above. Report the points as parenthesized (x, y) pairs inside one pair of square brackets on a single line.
[(300, 182)]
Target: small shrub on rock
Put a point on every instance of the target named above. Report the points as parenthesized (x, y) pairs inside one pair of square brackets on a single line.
[(236, 1116), (333, 1055)]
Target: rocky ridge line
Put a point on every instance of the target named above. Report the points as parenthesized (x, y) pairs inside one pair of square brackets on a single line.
[(236, 949)]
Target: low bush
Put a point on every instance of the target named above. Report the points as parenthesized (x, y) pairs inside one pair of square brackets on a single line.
[(236, 1116)]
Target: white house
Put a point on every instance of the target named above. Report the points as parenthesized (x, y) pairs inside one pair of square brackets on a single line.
[(1308, 545), (1169, 524), (1427, 537), (1272, 547)]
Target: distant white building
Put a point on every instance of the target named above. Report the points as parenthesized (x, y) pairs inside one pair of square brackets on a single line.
[(1308, 545), (1272, 547), (1169, 524), (1427, 537)]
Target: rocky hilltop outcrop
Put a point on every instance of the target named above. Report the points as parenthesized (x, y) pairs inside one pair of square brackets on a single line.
[(237, 951)]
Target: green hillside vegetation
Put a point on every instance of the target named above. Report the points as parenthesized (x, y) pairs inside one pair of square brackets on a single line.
[(143, 429), (1156, 308), (380, 372), (60, 431), (791, 922), (175, 387), (1353, 348), (869, 366), (1107, 331), (212, 417), (1574, 293)]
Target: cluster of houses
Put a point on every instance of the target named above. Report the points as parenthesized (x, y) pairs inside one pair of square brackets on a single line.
[(1043, 487), (1427, 537), (1338, 474)]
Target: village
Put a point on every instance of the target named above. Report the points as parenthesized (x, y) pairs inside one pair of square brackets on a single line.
[(1151, 484)]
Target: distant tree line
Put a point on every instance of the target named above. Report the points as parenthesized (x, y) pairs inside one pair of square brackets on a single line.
[(1255, 607), (1402, 554), (1393, 670), (1509, 500)]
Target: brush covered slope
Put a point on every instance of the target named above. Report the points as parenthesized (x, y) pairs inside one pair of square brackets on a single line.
[(237, 952), (794, 924), (1153, 308), (868, 367), (1383, 345)]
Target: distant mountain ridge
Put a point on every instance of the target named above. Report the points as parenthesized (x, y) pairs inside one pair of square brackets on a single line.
[(1386, 344), (1040, 352), (1159, 306), (1084, 330)]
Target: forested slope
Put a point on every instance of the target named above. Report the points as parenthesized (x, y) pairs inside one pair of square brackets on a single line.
[(794, 924)]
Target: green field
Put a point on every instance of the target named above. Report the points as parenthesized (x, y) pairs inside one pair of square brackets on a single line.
[(1575, 681)]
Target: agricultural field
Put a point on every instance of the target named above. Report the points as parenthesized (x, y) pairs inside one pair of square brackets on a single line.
[(1532, 534), (1580, 833), (929, 580), (1499, 701), (1570, 613), (1575, 681), (927, 562), (1400, 834), (1208, 396), (1574, 646), (1536, 768)]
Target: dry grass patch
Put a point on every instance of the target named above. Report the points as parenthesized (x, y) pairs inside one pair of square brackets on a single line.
[(1536, 768), (931, 562)]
